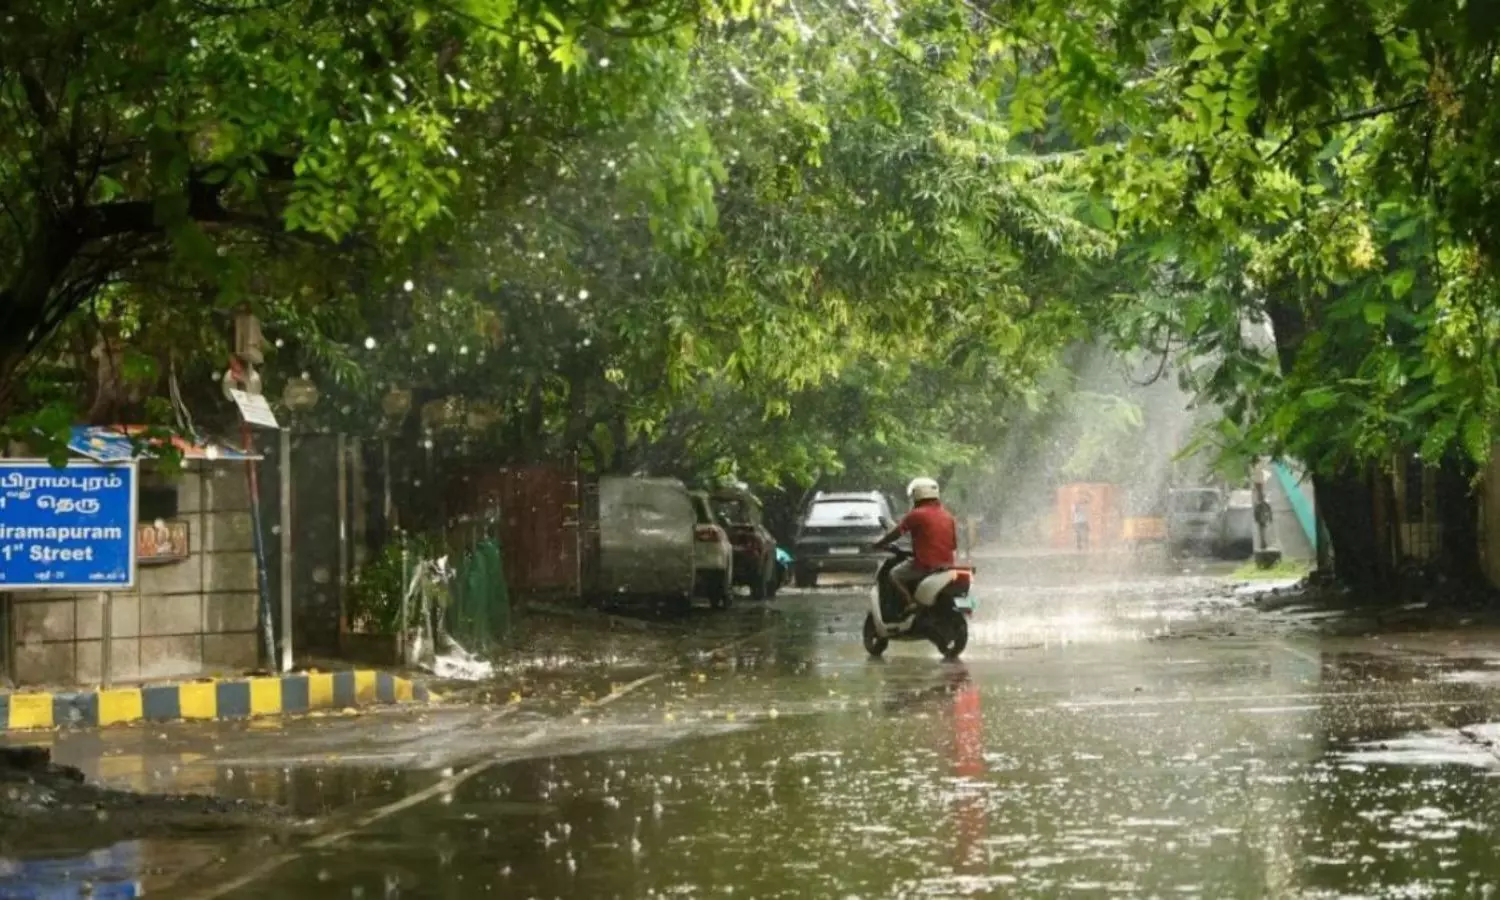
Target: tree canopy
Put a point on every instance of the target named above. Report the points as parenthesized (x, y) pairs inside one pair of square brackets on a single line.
[(786, 240)]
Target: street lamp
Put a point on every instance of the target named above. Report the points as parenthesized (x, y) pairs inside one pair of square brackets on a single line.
[(396, 404), (300, 395)]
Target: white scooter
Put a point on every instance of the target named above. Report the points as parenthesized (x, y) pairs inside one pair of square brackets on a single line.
[(941, 614)]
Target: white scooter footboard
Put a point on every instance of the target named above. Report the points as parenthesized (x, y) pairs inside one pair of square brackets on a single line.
[(881, 627)]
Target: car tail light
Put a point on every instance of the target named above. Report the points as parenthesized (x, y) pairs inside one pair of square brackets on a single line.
[(706, 533)]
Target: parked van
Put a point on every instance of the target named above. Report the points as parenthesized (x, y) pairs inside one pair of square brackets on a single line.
[(1237, 534), (646, 547), (1195, 520)]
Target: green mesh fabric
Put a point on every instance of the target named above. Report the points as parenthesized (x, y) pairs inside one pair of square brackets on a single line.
[(479, 617)]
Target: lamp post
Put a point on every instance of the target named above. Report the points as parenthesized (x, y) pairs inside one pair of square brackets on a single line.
[(299, 396)]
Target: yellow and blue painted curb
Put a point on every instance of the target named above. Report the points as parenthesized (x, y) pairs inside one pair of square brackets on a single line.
[(197, 700)]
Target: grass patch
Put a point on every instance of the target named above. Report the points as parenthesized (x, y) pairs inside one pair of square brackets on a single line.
[(1282, 571)]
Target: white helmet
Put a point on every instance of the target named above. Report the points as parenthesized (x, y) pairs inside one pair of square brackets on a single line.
[(922, 489)]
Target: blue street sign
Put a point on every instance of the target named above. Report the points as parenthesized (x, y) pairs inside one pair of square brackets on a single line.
[(67, 528)]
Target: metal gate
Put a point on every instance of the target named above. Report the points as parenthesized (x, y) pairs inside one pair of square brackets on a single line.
[(533, 512)]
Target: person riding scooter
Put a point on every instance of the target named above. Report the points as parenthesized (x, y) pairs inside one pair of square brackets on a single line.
[(934, 537)]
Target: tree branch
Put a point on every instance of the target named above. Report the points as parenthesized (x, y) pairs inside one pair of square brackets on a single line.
[(1371, 113), (36, 96)]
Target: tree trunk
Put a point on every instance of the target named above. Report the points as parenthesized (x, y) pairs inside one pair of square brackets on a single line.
[(1458, 517), (1347, 507), (619, 438), (27, 313)]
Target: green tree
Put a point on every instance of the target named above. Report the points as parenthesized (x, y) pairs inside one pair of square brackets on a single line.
[(1323, 170), (281, 152)]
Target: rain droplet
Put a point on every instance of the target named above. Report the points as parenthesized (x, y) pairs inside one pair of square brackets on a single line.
[(409, 285), (432, 348), (369, 343)]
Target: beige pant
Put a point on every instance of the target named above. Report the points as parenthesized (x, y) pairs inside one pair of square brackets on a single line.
[(908, 574)]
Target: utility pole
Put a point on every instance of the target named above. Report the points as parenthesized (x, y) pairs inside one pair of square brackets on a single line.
[(242, 384)]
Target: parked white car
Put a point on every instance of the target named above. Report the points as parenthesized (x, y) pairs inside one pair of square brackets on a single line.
[(646, 540), (713, 557)]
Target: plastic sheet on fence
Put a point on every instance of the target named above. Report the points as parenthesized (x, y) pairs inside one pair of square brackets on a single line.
[(462, 613)]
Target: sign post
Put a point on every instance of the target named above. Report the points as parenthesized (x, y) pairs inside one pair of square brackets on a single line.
[(254, 410), (72, 528)]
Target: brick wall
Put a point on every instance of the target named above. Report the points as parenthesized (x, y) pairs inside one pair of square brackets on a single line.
[(194, 617)]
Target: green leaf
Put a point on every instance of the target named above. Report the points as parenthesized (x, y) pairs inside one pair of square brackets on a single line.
[(1476, 438), (1102, 218), (1320, 398), (1375, 313), (1400, 282), (109, 188)]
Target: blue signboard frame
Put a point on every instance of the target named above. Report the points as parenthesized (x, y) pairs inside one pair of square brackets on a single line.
[(70, 528)]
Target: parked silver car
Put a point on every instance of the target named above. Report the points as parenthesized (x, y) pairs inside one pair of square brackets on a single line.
[(646, 540), (713, 555)]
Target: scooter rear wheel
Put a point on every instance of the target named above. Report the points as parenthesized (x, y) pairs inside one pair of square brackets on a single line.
[(874, 644), (954, 636)]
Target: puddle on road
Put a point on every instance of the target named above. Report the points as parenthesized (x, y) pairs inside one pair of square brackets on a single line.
[(942, 788), (791, 770), (1473, 746), (1062, 615)]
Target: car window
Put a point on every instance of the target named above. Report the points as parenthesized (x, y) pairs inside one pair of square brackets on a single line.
[(731, 511), (647, 511), (844, 512), (700, 511)]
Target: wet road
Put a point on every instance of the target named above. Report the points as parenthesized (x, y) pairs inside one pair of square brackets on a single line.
[(1149, 738)]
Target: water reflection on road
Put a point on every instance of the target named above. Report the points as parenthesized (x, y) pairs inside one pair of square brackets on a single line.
[(1096, 741)]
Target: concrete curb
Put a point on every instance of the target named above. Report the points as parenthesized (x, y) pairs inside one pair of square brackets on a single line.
[(211, 699)]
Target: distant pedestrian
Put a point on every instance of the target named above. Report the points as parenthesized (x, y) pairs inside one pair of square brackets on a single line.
[(1081, 523)]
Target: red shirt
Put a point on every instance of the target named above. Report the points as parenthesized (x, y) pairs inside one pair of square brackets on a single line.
[(934, 535)]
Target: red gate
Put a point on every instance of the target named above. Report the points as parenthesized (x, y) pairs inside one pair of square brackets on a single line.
[(534, 512)]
